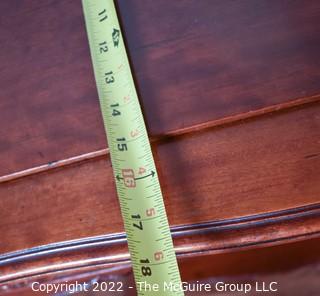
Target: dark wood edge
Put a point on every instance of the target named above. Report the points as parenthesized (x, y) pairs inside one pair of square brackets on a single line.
[(204, 265), (233, 119), (212, 237)]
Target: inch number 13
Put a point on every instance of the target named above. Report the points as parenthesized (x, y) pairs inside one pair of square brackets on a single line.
[(109, 77)]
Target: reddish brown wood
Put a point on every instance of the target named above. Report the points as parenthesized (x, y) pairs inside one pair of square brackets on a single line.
[(296, 273), (220, 237), (259, 166), (49, 106), (231, 96), (197, 61), (194, 61)]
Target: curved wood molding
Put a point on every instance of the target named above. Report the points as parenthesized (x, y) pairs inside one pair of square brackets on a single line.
[(288, 264), (207, 238)]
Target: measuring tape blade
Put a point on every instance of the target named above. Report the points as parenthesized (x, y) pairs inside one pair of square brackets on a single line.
[(146, 224)]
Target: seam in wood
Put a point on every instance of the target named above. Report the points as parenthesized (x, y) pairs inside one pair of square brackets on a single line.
[(168, 135)]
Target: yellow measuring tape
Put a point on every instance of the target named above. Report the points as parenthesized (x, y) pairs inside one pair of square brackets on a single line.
[(150, 244)]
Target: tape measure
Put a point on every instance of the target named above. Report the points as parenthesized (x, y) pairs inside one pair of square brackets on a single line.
[(150, 244)]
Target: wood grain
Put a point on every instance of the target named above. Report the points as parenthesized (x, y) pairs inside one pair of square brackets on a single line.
[(48, 101), (220, 59), (256, 166), (197, 61), (231, 95), (190, 241)]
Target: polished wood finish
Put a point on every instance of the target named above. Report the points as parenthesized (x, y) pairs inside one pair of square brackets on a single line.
[(197, 61), (296, 277), (228, 236), (49, 107), (231, 96), (285, 177), (194, 61)]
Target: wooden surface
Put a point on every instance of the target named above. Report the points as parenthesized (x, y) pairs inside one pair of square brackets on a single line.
[(211, 59), (220, 59), (268, 164), (231, 97)]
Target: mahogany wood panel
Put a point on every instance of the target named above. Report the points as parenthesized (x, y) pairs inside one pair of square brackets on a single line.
[(48, 101), (197, 61), (194, 61), (231, 95), (256, 166)]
